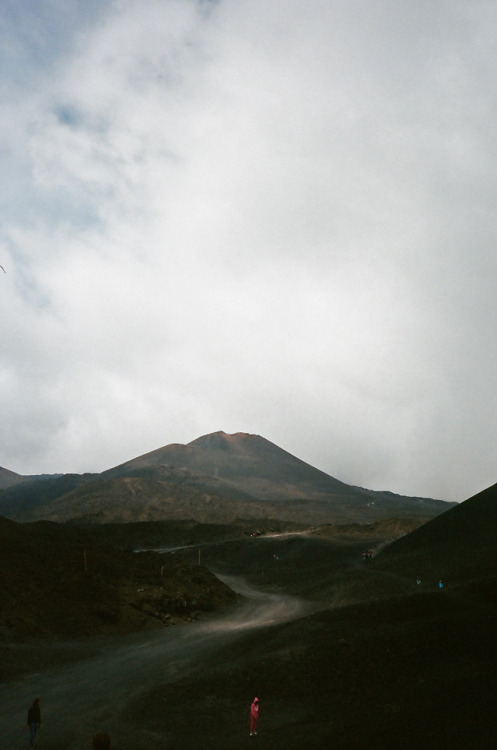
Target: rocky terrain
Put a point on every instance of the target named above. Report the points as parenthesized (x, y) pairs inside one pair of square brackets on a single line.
[(61, 582)]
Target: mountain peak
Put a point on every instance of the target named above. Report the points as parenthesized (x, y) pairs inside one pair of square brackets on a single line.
[(222, 439), (217, 476)]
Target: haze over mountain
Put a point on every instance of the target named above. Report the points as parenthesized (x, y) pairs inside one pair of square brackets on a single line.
[(217, 477)]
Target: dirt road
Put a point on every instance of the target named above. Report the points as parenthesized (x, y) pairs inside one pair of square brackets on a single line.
[(85, 696)]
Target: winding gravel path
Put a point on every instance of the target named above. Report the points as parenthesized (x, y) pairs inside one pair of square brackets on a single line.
[(87, 695)]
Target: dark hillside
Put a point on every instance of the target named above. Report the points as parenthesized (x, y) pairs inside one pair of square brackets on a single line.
[(415, 673), (379, 661), (458, 546), (20, 500), (64, 581), (386, 664)]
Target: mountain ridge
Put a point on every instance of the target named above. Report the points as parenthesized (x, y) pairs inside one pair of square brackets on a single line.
[(216, 477)]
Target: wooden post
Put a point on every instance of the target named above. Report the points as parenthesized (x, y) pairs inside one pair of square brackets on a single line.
[(199, 557), (86, 566), (161, 571)]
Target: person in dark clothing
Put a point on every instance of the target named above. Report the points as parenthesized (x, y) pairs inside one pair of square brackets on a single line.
[(34, 720), (101, 741)]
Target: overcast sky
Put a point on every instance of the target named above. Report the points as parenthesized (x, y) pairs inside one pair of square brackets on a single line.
[(265, 216)]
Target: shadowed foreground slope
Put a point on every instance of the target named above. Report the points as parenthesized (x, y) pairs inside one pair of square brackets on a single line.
[(61, 581), (402, 665), (383, 662)]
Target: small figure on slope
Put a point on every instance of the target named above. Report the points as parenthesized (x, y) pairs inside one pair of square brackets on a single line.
[(34, 721), (254, 716)]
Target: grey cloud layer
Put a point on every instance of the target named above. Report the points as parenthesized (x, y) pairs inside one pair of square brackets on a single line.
[(251, 216)]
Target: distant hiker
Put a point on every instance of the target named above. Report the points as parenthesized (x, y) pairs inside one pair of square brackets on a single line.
[(101, 741), (34, 720), (440, 585), (418, 581), (254, 716)]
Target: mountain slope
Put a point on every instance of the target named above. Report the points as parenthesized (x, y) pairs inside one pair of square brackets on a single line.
[(9, 478), (265, 470), (20, 501), (65, 580), (456, 546), (218, 477)]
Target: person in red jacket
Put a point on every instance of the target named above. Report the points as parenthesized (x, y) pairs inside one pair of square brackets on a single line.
[(254, 716)]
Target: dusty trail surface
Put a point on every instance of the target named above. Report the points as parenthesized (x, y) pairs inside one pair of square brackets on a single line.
[(82, 697), (341, 653)]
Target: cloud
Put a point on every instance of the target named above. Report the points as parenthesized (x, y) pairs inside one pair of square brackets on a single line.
[(249, 217)]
